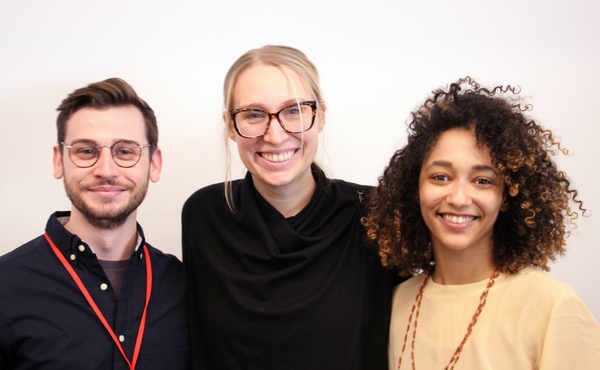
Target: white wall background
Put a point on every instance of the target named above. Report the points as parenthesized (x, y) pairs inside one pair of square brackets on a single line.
[(378, 60)]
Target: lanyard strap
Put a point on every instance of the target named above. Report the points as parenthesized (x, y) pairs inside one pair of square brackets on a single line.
[(88, 297)]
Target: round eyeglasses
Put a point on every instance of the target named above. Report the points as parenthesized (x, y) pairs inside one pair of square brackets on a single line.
[(85, 154), (252, 123)]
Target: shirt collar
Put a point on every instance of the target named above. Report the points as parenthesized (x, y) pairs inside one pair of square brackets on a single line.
[(69, 243)]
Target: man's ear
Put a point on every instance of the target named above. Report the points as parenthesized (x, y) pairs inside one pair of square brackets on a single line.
[(155, 165), (57, 162)]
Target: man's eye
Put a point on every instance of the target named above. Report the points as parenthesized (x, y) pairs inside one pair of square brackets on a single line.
[(85, 151)]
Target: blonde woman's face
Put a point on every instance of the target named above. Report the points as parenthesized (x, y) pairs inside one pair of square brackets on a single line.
[(279, 158)]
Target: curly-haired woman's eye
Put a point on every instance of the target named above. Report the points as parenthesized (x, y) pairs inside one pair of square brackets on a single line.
[(483, 181)]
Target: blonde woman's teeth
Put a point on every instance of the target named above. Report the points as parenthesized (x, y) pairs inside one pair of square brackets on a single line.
[(277, 157)]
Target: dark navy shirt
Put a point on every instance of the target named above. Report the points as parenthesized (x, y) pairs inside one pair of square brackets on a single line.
[(46, 322)]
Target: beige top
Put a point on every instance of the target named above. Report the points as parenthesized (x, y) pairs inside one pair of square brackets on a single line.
[(530, 321)]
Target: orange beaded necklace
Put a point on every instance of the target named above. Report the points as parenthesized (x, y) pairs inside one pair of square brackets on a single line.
[(417, 305)]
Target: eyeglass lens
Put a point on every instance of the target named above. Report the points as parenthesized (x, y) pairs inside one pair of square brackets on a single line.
[(85, 154), (296, 118)]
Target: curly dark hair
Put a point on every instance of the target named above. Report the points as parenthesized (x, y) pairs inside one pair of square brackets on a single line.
[(533, 228)]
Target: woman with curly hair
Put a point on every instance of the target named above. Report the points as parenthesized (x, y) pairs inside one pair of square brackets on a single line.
[(475, 208)]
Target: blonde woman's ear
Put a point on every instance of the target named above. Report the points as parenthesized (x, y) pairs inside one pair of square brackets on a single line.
[(230, 129), (322, 115)]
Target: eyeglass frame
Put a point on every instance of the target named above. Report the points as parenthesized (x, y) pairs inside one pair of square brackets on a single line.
[(312, 104), (112, 154)]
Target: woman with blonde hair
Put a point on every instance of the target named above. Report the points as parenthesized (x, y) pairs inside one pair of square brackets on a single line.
[(279, 275), (475, 208)]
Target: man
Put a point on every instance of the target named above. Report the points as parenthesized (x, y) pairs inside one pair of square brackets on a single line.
[(91, 293)]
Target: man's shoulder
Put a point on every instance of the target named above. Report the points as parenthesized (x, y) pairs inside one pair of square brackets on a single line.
[(160, 255), (169, 275), (165, 259), (22, 266), (23, 252)]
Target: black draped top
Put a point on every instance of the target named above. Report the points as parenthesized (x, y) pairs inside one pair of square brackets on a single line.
[(268, 292)]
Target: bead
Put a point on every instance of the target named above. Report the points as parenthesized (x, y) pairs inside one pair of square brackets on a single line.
[(417, 305)]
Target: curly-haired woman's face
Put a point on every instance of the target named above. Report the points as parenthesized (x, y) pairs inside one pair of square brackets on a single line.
[(460, 194)]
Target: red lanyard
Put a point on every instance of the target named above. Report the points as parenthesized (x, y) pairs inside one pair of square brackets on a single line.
[(138, 341)]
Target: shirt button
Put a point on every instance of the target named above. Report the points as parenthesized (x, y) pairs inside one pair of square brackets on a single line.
[(103, 286), (81, 248), (121, 338), (72, 257)]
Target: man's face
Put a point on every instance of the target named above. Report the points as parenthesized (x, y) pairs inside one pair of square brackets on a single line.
[(105, 194)]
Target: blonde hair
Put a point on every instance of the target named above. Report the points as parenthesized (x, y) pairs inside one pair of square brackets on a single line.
[(272, 55)]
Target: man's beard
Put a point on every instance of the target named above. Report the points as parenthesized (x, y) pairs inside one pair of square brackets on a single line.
[(108, 219)]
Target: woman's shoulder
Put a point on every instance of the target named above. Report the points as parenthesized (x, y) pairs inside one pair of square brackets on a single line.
[(351, 185), (535, 291), (534, 279), (211, 196), (410, 285), (207, 191), (350, 189), (570, 332), (327, 183), (211, 191)]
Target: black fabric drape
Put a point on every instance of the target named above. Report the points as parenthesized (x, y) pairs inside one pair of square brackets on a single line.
[(268, 292)]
